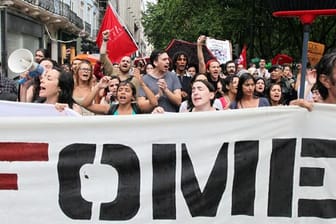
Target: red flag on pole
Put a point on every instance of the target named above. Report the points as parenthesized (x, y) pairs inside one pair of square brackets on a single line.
[(120, 43), (242, 58)]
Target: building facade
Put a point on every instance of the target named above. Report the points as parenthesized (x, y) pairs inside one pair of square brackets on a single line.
[(61, 26), (56, 25)]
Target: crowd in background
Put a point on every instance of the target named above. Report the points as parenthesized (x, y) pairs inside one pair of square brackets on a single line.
[(165, 84)]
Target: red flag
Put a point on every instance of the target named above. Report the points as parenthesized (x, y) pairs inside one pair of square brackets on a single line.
[(120, 43), (242, 58)]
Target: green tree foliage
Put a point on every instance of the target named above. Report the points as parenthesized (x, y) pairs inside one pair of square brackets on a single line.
[(240, 21)]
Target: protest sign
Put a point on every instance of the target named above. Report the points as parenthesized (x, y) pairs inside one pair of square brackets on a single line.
[(221, 49)]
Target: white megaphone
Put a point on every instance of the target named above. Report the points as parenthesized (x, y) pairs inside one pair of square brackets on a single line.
[(22, 60)]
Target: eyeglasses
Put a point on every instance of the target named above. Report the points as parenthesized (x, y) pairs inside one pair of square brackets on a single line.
[(85, 69)]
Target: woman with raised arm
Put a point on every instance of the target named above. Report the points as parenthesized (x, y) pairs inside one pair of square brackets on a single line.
[(126, 97)]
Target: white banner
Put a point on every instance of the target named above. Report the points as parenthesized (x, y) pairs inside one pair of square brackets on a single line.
[(10, 109), (221, 49), (264, 165)]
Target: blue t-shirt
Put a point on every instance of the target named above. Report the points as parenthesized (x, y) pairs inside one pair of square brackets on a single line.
[(173, 83)]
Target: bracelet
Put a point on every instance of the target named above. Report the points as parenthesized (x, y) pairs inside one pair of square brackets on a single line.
[(106, 39)]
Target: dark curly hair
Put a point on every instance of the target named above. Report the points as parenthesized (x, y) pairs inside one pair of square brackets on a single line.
[(176, 57)]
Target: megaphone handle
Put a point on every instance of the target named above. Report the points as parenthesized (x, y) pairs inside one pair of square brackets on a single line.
[(22, 81)]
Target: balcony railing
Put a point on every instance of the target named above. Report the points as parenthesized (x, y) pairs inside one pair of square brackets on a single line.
[(47, 5), (88, 27), (34, 2), (59, 8), (65, 10), (76, 20)]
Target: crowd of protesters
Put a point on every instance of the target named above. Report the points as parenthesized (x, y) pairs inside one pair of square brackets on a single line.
[(170, 84)]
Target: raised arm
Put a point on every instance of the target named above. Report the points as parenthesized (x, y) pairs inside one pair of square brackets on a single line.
[(200, 56), (104, 59), (311, 80), (99, 108), (103, 83)]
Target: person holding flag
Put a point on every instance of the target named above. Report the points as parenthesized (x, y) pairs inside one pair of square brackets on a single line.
[(124, 72), (120, 42), (116, 45)]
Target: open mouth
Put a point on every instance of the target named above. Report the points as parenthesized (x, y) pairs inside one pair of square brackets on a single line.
[(124, 66), (42, 90), (122, 98), (42, 87), (196, 99)]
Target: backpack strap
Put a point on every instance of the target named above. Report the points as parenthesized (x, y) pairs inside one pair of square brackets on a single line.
[(136, 108), (113, 109)]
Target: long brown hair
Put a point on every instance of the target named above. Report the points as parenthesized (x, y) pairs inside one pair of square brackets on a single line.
[(76, 77)]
